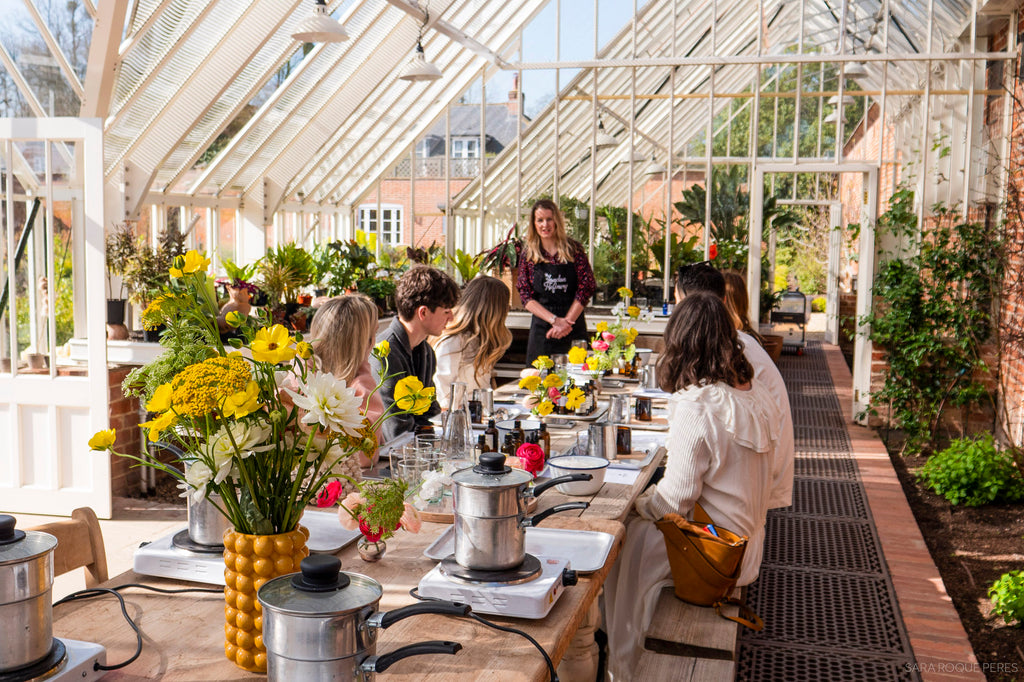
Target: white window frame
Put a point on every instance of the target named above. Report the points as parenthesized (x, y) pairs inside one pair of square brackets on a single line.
[(391, 226), (465, 147)]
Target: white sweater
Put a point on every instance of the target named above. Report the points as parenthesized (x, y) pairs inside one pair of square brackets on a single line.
[(455, 363)]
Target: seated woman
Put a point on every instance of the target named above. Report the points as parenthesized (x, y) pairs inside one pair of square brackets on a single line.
[(475, 339), (737, 303), (343, 334), (722, 435)]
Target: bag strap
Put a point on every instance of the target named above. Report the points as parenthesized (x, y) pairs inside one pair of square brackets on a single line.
[(699, 515), (747, 616)]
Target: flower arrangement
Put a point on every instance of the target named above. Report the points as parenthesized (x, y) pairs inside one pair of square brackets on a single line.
[(260, 426), (614, 342), (377, 509), (547, 392)]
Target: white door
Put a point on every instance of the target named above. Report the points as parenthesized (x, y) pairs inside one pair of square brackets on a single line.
[(52, 267)]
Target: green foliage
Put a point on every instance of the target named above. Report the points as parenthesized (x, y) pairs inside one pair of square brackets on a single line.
[(682, 252), (381, 290), (781, 277), (185, 344), (504, 254), (284, 271), (973, 472), (1007, 595), (818, 304), (431, 255), (236, 272), (466, 265), (932, 313), (729, 203)]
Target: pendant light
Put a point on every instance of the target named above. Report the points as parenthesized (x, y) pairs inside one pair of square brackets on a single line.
[(320, 28), (654, 168), (834, 118), (604, 140), (418, 68), (855, 70)]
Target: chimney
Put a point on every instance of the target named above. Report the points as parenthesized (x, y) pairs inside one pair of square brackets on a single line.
[(515, 98)]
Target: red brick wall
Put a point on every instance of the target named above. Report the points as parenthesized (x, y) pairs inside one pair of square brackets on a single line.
[(124, 416)]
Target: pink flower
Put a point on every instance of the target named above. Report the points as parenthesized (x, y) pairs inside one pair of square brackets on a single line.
[(531, 456), (371, 534), (346, 520), (329, 494), (411, 519), (352, 504), (608, 336), (530, 401), (553, 393), (599, 345)]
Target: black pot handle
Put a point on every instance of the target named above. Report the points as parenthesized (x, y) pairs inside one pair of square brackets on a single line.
[(540, 516), (568, 478), (384, 619), (378, 664)]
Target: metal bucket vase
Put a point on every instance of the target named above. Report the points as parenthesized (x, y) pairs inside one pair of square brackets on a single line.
[(206, 525), (250, 561)]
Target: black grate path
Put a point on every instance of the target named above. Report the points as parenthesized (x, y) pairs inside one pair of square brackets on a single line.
[(824, 592)]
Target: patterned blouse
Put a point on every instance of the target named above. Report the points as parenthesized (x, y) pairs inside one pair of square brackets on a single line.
[(585, 284)]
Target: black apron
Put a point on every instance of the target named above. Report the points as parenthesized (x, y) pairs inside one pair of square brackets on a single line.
[(554, 287)]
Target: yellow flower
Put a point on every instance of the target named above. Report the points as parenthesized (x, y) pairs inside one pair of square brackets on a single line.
[(552, 381), (544, 408), (192, 262), (633, 311), (530, 383), (631, 335), (601, 327), (593, 362), (304, 350), (381, 350), (624, 292), (412, 397), (200, 389), (157, 425), (102, 440), (243, 402), (574, 398), (543, 362), (272, 345), (161, 399), (234, 319), (577, 355)]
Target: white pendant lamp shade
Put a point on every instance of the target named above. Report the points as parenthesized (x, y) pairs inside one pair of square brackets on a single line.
[(855, 70), (654, 168), (833, 118), (604, 140), (419, 69), (320, 28), (847, 99)]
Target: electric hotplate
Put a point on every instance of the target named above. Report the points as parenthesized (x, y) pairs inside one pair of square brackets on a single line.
[(69, 659)]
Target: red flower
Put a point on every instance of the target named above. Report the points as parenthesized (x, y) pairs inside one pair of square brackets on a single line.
[(531, 456), (329, 494), (371, 534), (713, 251)]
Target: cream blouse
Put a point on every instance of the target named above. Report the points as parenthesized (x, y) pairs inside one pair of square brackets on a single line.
[(455, 363)]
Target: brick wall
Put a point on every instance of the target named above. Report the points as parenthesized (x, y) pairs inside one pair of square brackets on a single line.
[(124, 416)]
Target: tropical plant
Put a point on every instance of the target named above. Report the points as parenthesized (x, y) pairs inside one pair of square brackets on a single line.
[(504, 254), (380, 289), (284, 271), (431, 255), (121, 249), (466, 265), (683, 251)]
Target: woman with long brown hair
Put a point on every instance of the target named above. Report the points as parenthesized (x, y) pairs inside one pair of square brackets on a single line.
[(723, 431), (555, 282), (737, 303), (475, 339)]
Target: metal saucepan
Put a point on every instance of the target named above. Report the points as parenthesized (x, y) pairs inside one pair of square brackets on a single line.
[(26, 581), (490, 512), (321, 624)]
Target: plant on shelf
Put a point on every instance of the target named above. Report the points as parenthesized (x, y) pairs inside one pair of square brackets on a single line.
[(121, 249), (466, 265), (352, 263), (284, 272), (380, 289), (503, 255)]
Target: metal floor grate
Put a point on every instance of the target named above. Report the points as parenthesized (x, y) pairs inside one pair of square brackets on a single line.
[(824, 591)]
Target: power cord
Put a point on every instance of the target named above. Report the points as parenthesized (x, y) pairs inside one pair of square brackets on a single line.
[(100, 591), (414, 593)]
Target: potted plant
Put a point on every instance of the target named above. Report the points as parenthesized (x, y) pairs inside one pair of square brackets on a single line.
[(381, 290), (505, 255), (466, 265), (121, 250), (284, 271)]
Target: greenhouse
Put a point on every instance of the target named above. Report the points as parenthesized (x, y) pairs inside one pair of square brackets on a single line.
[(187, 185)]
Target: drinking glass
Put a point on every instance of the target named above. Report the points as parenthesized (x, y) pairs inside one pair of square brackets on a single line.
[(618, 408), (580, 343), (641, 302)]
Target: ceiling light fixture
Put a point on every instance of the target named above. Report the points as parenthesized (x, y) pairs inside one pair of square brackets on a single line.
[(833, 118), (604, 140), (320, 28), (418, 68), (855, 70), (654, 168), (847, 99)]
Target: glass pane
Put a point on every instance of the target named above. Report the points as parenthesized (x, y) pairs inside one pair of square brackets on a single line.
[(5, 316)]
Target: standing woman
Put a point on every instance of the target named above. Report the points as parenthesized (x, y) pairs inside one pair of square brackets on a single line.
[(555, 283), (475, 339)]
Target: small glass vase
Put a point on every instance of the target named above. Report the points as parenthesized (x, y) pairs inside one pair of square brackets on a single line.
[(371, 551)]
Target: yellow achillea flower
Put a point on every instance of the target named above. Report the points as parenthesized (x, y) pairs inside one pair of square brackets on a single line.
[(412, 397), (530, 383), (242, 402), (272, 345), (543, 362), (552, 381), (577, 355), (601, 327), (102, 440), (624, 292), (631, 335), (633, 311), (193, 262), (574, 398), (544, 408), (200, 389)]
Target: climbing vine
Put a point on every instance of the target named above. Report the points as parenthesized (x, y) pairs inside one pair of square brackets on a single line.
[(933, 312)]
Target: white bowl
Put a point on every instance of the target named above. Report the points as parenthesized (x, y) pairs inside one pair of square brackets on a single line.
[(579, 464)]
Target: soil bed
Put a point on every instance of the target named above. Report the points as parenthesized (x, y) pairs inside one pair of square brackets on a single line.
[(972, 547)]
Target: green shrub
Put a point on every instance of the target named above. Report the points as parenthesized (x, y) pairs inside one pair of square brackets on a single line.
[(818, 304), (1007, 595), (973, 472)]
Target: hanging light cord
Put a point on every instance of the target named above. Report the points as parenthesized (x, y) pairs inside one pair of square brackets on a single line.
[(100, 591)]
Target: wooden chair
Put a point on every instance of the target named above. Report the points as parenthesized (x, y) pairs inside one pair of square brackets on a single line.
[(79, 543)]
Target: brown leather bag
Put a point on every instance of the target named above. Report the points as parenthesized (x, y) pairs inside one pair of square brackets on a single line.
[(705, 567)]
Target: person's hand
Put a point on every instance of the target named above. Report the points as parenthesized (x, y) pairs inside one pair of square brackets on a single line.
[(560, 329)]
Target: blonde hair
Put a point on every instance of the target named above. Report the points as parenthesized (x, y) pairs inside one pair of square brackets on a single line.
[(340, 331), (737, 303), (479, 317), (566, 248)]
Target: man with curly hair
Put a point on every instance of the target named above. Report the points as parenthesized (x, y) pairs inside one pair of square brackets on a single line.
[(425, 298)]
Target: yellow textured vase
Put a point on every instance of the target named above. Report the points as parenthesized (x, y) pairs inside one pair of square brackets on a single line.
[(250, 561)]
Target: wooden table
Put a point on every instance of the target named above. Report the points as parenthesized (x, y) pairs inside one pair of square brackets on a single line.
[(184, 633)]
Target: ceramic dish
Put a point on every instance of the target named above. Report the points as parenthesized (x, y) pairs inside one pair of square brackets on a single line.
[(579, 464)]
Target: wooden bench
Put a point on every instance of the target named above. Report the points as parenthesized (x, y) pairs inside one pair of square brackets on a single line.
[(686, 642)]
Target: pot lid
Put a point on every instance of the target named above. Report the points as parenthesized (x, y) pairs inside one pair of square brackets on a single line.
[(321, 588), (17, 546), (491, 472)]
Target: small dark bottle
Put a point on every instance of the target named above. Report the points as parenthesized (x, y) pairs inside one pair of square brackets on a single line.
[(545, 440), (509, 448), (476, 411), (482, 444), (519, 436), (491, 434)]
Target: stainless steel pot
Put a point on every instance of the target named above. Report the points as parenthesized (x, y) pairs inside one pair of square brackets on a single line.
[(490, 512), (26, 580), (321, 624), (601, 440)]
